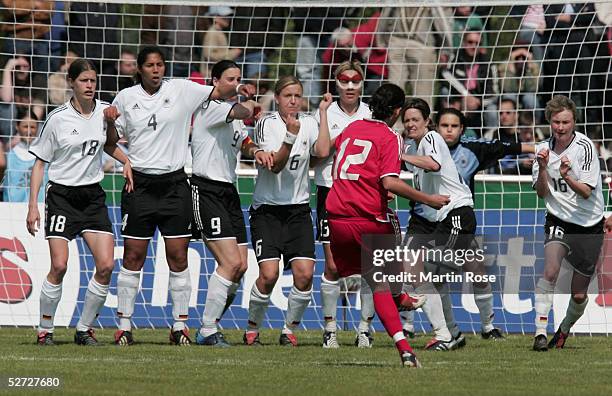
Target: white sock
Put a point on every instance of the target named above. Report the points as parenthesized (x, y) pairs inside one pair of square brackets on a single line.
[(543, 304), (367, 307), (127, 289), (407, 318), (94, 301), (330, 291), (180, 292), (216, 297), (258, 305), (484, 301), (433, 310), (573, 313), (50, 295), (296, 305), (447, 308)]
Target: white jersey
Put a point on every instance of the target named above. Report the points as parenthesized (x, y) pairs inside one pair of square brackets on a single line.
[(337, 120), (291, 185), (216, 141), (562, 202), (72, 144), (157, 126), (445, 181)]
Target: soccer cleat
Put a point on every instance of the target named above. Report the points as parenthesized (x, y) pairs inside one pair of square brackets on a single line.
[(123, 338), (180, 337), (364, 340), (458, 342), (288, 340), (44, 338), (85, 338), (540, 343), (409, 359), (409, 334), (494, 334), (251, 338), (409, 302), (330, 341), (438, 345), (558, 340), (215, 340)]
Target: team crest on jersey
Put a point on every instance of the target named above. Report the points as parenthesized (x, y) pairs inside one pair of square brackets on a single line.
[(74, 132), (136, 107), (166, 102)]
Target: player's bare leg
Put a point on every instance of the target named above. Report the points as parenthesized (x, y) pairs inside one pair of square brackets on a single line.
[(554, 254), (260, 299), (51, 290), (330, 291), (575, 309), (180, 288), (222, 284), (299, 298), (102, 247)]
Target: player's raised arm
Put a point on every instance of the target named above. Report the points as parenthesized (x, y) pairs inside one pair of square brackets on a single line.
[(322, 146), (541, 183), (580, 188)]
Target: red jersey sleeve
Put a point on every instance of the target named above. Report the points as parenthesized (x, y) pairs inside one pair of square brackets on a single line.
[(390, 155)]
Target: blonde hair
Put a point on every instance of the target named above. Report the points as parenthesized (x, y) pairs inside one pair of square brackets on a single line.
[(559, 103), (349, 65), (284, 82)]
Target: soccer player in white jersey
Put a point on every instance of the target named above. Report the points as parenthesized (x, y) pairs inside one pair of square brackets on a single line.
[(453, 226), (566, 175), (280, 215), (217, 138), (154, 117), (71, 142), (348, 108)]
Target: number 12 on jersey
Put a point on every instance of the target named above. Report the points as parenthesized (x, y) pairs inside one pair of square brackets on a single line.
[(351, 159)]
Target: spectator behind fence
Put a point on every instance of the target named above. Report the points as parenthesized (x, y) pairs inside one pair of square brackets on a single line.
[(257, 31), (341, 48), (59, 90), (122, 76), (93, 32), (372, 52), (466, 19), (532, 27), (508, 131), (26, 26), (474, 78), (412, 35), (215, 45), (313, 27), (520, 77), (19, 161)]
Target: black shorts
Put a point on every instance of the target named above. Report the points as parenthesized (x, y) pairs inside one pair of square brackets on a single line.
[(456, 231), (583, 243), (282, 230), (162, 201), (322, 222), (72, 210), (216, 210)]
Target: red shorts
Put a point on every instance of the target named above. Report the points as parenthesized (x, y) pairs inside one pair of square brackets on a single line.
[(346, 241)]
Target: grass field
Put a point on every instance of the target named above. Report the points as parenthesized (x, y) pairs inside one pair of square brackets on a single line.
[(153, 367)]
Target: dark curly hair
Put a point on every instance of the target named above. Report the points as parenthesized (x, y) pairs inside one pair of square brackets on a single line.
[(386, 99)]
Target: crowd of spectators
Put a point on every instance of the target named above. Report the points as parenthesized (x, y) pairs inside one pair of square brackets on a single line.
[(463, 57)]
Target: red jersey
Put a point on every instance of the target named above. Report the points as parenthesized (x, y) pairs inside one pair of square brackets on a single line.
[(366, 151)]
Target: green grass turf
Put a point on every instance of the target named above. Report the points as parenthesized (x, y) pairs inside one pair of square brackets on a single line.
[(153, 367)]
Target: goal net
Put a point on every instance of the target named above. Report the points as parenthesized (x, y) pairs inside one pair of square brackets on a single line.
[(497, 61)]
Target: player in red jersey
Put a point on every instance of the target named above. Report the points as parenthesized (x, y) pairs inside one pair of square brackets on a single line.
[(366, 169)]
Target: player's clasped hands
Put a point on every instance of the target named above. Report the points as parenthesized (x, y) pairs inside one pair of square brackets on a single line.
[(565, 166), (293, 124), (111, 113), (542, 158), (265, 159)]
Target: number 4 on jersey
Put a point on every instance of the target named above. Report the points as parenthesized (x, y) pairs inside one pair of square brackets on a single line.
[(153, 122), (352, 159)]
